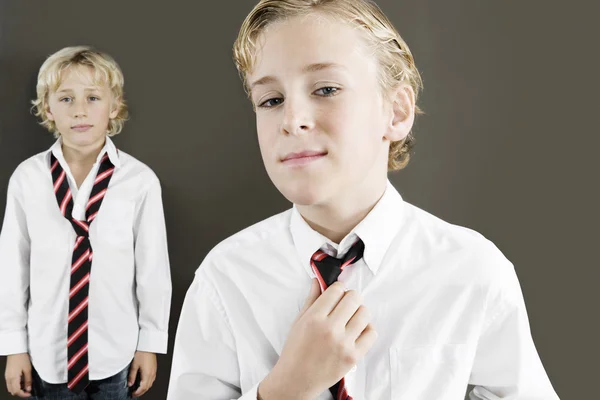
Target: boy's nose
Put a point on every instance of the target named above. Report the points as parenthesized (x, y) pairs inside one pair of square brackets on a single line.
[(79, 110), (295, 128), (297, 119)]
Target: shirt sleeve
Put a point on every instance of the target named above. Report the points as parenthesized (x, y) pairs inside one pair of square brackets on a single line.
[(205, 364), (14, 273), (152, 271), (507, 365)]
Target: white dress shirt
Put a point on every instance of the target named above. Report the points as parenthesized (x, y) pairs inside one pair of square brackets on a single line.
[(130, 282), (445, 302)]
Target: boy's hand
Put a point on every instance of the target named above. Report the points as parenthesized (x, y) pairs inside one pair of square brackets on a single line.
[(329, 336), (146, 364), (18, 366)]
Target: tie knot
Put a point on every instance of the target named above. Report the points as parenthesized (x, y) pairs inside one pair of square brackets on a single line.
[(328, 268), (81, 227)]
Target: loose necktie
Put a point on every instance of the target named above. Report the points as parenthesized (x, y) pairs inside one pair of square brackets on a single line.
[(81, 265)]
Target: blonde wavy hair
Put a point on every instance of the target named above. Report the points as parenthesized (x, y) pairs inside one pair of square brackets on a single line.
[(397, 65), (106, 71)]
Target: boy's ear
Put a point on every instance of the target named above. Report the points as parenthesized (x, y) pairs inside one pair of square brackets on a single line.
[(115, 108), (403, 113), (49, 113)]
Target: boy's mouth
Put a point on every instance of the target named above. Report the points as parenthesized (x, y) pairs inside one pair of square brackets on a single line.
[(302, 158), (81, 127)]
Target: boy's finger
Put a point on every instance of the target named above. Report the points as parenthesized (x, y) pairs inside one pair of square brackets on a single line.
[(28, 379), (14, 385), (346, 308), (132, 374), (358, 322), (366, 340), (141, 390), (330, 298), (22, 394)]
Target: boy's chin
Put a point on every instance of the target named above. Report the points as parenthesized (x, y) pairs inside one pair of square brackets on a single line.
[(82, 138), (305, 195)]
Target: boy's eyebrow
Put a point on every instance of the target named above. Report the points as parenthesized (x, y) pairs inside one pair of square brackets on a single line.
[(263, 81), (309, 68), (89, 88), (320, 66)]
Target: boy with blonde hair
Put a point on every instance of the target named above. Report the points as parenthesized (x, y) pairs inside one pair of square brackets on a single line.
[(401, 305), (85, 284)]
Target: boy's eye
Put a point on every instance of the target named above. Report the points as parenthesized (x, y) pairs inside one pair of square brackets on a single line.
[(65, 100), (327, 91), (94, 98), (271, 102)]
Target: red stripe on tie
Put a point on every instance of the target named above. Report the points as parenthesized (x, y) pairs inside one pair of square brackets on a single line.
[(319, 255), (79, 308), (319, 277), (78, 242), (82, 224), (63, 205), (93, 216), (79, 285), (104, 158), (78, 377), (54, 166), (77, 333), (59, 181), (90, 257), (77, 356), (104, 175), (96, 198), (80, 261), (347, 263)]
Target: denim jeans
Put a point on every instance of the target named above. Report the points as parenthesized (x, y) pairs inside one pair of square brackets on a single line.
[(111, 388)]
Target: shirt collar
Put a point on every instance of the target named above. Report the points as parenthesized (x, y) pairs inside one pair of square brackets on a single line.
[(109, 148), (376, 230)]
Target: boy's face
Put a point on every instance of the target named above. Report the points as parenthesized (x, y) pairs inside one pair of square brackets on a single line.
[(323, 125), (80, 108)]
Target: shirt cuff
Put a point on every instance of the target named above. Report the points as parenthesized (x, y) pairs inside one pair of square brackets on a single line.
[(152, 341), (13, 342), (252, 394)]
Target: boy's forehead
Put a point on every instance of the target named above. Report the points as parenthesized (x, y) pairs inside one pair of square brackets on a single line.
[(80, 75), (299, 42)]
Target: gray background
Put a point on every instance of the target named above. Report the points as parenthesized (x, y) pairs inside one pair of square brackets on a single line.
[(505, 147)]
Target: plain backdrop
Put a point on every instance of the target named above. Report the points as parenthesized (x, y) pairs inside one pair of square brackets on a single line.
[(508, 144)]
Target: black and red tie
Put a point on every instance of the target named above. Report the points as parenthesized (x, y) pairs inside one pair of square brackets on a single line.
[(81, 265), (327, 269)]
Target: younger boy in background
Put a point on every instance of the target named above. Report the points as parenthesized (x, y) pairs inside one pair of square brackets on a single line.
[(85, 285)]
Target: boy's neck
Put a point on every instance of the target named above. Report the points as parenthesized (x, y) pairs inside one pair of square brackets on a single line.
[(335, 220), (82, 154)]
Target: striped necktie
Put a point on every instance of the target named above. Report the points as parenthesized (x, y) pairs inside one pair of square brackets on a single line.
[(81, 265), (327, 269)]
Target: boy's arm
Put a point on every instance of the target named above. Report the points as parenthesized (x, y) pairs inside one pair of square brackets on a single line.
[(205, 364), (152, 273), (14, 273), (506, 363)]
